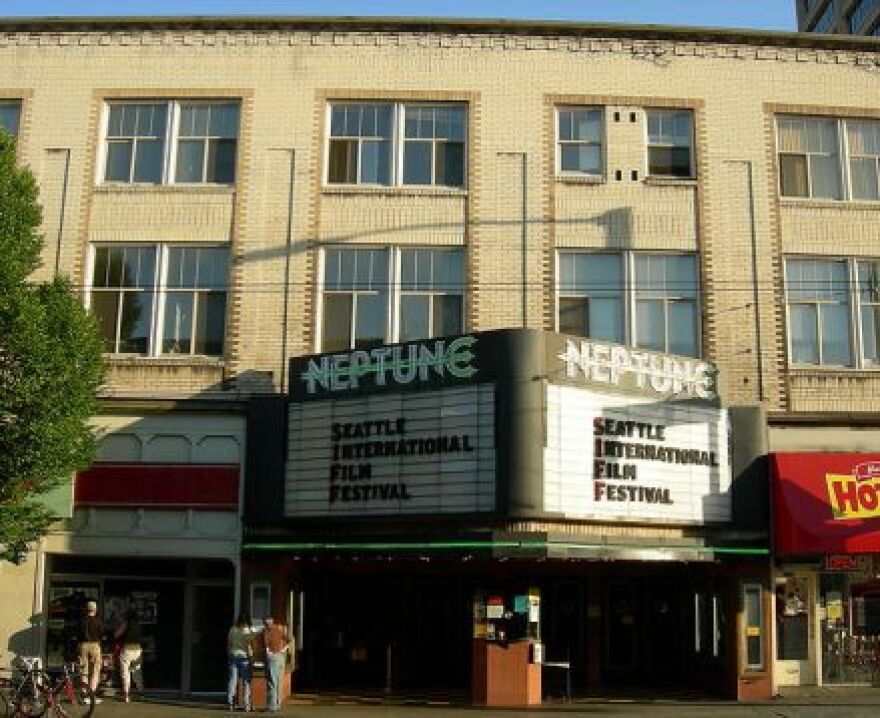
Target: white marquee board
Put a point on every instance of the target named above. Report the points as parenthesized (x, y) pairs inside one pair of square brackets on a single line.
[(393, 453), (614, 457)]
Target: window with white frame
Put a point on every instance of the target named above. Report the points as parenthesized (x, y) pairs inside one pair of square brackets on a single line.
[(809, 157), (160, 299), (10, 116), (591, 295), (373, 296), (386, 143), (670, 143), (160, 142), (646, 300), (579, 132), (833, 311), (863, 145), (818, 311)]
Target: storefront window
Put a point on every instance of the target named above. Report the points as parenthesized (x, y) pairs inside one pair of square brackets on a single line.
[(850, 618)]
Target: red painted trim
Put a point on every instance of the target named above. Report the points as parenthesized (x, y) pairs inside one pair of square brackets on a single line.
[(805, 489), (213, 486)]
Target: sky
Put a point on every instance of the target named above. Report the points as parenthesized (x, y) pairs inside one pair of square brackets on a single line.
[(761, 14)]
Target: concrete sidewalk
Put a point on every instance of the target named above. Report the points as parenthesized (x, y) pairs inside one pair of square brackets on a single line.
[(806, 703)]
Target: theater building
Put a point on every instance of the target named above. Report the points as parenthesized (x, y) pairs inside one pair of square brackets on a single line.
[(424, 481), (333, 186)]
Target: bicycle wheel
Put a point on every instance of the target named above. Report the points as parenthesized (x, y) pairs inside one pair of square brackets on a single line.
[(29, 701), (73, 701)]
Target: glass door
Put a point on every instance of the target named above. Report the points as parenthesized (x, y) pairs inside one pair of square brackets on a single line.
[(795, 664)]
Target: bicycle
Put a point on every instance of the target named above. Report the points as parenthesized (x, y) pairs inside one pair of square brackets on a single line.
[(23, 690), (66, 694)]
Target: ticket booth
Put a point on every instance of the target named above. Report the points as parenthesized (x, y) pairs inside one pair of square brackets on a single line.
[(507, 649)]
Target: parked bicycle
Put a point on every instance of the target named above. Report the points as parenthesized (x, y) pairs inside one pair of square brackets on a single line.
[(66, 694), (22, 690), (30, 692)]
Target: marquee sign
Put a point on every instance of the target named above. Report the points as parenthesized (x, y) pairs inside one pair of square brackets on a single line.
[(826, 503), (618, 458), (393, 453), (397, 365), (660, 374)]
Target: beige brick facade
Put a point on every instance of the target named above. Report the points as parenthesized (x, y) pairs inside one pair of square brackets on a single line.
[(514, 213)]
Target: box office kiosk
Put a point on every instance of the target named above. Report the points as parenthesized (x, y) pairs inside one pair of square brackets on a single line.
[(507, 649)]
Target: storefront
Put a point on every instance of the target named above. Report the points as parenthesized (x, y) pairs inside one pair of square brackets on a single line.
[(425, 499), (827, 539), (155, 529)]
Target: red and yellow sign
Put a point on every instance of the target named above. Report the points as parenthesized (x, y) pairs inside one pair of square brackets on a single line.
[(856, 495), (826, 503)]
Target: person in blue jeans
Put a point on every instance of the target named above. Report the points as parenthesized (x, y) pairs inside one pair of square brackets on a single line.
[(239, 648), (277, 642)]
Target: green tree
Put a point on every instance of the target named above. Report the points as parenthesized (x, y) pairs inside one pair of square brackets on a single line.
[(50, 368)]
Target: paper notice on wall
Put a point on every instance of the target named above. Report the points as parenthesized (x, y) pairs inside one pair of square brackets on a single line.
[(834, 606)]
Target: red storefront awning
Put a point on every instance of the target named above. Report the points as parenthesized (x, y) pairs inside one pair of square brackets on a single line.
[(826, 503)]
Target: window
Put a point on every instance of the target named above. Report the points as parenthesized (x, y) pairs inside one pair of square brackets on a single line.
[(826, 20), (868, 273), (647, 300), (159, 299), (261, 601), (818, 312), (10, 116), (365, 305), (579, 140), (389, 144), (753, 620), (591, 296), (863, 142), (431, 301), (809, 160), (433, 146), (670, 143), (152, 142), (666, 303), (859, 14)]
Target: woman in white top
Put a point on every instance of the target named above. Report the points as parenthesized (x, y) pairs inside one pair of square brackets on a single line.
[(240, 650)]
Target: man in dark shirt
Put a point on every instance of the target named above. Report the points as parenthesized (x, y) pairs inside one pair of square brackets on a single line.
[(91, 632)]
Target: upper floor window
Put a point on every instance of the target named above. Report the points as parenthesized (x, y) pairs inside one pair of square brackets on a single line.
[(825, 21), (670, 143), (387, 144), (579, 140), (160, 299), (10, 116), (809, 157), (859, 13), (153, 142), (374, 296), (829, 158), (647, 300)]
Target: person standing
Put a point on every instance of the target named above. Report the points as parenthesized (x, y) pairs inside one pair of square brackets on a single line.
[(240, 651), (91, 631), (277, 643), (130, 635)]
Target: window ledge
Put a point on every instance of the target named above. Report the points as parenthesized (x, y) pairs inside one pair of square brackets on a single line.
[(218, 189), (581, 179), (805, 371), (164, 360), (394, 191), (671, 181), (828, 203)]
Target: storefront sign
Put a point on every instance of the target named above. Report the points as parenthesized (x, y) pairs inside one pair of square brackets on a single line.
[(402, 364), (648, 371), (611, 457), (826, 503), (394, 453)]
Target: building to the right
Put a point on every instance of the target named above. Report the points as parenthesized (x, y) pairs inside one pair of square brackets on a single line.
[(851, 17)]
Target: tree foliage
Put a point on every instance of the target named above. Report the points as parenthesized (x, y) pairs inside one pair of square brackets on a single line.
[(50, 368)]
